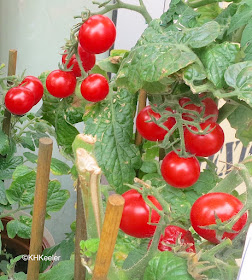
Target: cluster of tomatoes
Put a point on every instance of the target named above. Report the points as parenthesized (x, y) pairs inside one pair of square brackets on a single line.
[(96, 35), (182, 172), (20, 99)]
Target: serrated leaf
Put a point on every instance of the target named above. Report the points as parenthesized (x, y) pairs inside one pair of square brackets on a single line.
[(62, 271), (208, 12), (20, 228), (8, 165), (31, 157), (239, 76), (3, 199), (22, 187), (107, 66), (17, 276), (59, 167), (27, 141), (216, 60), (193, 73), (241, 121), (246, 41), (48, 252), (56, 197), (4, 143), (149, 167), (167, 264), (112, 123)]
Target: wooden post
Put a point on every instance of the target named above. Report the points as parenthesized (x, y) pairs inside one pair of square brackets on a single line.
[(39, 208), (109, 233), (81, 234), (12, 63)]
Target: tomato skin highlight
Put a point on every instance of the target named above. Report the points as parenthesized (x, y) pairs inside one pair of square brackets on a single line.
[(35, 85), (204, 145), (94, 88), (174, 235), (97, 34), (150, 130), (225, 206), (180, 172), (135, 215), (19, 100), (60, 83)]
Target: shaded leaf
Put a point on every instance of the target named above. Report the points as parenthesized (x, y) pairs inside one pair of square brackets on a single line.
[(8, 165)]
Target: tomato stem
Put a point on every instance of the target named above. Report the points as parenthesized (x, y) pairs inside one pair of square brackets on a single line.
[(199, 3)]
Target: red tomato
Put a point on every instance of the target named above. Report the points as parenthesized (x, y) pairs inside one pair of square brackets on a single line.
[(60, 83), (180, 172), (35, 85), (209, 206), (208, 105), (94, 88), (150, 130), (135, 217), (97, 34), (204, 145), (87, 59), (19, 100), (176, 235)]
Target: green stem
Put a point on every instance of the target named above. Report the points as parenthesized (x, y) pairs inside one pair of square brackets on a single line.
[(209, 254), (225, 111), (11, 213), (23, 129), (141, 9), (200, 3)]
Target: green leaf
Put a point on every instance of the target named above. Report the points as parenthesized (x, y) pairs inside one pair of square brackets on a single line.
[(4, 143), (112, 123), (216, 60), (22, 187), (27, 141), (48, 252), (89, 247), (8, 165), (239, 76), (56, 198), (107, 65), (31, 157), (17, 276), (241, 121), (208, 12), (3, 199), (161, 52), (166, 264), (246, 41), (194, 73), (21, 227), (58, 167), (151, 150), (149, 166), (62, 271)]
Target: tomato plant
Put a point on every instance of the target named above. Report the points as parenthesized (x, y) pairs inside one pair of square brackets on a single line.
[(135, 218), (19, 100), (150, 130), (60, 84), (94, 88), (97, 28), (204, 144), (35, 85), (213, 208), (180, 172)]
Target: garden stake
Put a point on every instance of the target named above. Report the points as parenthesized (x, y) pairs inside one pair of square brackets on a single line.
[(141, 105), (39, 210), (109, 233), (12, 63), (81, 234)]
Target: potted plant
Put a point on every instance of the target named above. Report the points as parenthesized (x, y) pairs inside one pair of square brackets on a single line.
[(194, 55)]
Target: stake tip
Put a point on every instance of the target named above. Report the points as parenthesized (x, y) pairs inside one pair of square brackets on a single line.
[(116, 200)]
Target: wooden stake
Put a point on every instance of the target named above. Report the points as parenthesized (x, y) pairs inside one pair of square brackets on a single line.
[(12, 63), (81, 234), (141, 105), (109, 233), (39, 208)]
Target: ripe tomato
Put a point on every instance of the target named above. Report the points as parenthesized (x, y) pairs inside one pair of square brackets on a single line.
[(97, 34), (204, 145), (19, 100), (135, 217), (94, 88), (176, 235), (35, 85), (180, 172), (148, 129), (208, 207), (60, 83), (87, 59), (208, 105)]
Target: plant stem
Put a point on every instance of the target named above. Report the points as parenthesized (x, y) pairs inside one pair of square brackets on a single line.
[(141, 9), (225, 111), (200, 3), (11, 213)]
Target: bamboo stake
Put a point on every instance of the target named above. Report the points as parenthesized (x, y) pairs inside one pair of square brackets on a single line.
[(39, 208), (12, 63), (141, 105), (81, 234), (109, 233)]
